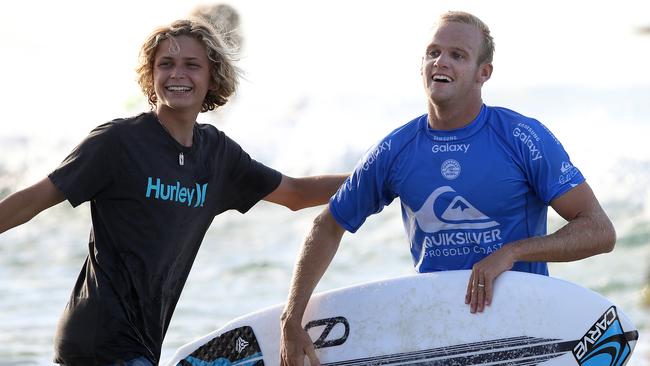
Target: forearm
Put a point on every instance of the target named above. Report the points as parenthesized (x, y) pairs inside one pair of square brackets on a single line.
[(582, 237), (588, 232), (22, 206), (299, 193), (13, 213), (317, 190), (316, 254)]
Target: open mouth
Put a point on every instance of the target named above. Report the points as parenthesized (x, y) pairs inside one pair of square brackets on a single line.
[(442, 78), (178, 88)]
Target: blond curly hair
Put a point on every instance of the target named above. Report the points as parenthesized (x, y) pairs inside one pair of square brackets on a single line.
[(222, 68)]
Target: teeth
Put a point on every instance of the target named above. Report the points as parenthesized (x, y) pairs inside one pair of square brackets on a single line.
[(178, 88), (444, 78)]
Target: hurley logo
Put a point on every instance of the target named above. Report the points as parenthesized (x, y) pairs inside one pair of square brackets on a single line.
[(174, 192)]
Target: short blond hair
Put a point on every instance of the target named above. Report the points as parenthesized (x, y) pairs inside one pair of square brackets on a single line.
[(222, 68), (487, 53)]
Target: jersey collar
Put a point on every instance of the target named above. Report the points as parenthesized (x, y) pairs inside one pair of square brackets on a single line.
[(457, 134)]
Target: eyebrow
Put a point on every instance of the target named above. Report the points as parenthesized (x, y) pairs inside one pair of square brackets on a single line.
[(454, 48), (460, 50), (192, 58)]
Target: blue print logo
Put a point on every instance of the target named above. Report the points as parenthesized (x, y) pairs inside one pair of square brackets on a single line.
[(176, 193), (604, 344)]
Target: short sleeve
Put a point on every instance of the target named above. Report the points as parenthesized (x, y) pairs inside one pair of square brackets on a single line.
[(548, 166), (367, 190), (87, 172), (250, 180)]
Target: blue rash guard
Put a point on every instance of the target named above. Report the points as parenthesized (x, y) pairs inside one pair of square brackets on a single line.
[(464, 193)]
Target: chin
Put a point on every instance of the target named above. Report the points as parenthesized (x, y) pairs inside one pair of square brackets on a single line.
[(439, 99), (179, 105)]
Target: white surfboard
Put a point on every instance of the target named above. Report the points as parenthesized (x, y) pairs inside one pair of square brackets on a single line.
[(422, 320)]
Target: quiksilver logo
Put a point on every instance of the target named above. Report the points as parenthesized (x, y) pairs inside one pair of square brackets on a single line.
[(459, 215), (176, 193), (568, 172)]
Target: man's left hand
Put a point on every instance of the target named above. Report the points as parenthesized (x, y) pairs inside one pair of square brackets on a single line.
[(480, 288)]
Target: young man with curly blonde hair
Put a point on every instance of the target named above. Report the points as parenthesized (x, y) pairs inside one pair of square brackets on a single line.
[(154, 182)]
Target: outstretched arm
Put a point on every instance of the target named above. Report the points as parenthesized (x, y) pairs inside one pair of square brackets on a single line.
[(298, 193), (316, 254), (22, 206), (588, 232)]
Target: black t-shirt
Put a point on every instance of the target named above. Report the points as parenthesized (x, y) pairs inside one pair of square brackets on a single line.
[(149, 215)]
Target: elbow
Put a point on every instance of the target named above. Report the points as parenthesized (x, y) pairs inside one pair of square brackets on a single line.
[(296, 201), (300, 199), (326, 222), (294, 206), (607, 237), (295, 194)]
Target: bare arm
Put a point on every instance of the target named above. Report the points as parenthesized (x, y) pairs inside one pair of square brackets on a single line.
[(298, 193), (20, 207), (588, 232), (316, 254)]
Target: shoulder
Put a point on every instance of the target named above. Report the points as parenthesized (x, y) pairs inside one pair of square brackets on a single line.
[(219, 145), (409, 130), (122, 126), (113, 135), (401, 137), (211, 136), (499, 117), (387, 150), (211, 132), (515, 127)]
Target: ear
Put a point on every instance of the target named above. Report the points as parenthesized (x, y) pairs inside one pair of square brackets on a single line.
[(484, 73)]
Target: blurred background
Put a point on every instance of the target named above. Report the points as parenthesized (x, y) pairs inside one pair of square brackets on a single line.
[(322, 82)]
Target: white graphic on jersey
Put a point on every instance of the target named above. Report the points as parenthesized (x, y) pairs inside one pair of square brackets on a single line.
[(460, 230), (459, 215), (527, 140), (450, 169), (241, 344), (460, 210), (372, 156), (568, 172), (566, 166), (437, 148)]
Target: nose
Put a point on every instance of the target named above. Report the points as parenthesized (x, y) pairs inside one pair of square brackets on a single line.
[(441, 61), (177, 73)]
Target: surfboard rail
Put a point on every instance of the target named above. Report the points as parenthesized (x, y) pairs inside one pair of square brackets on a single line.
[(422, 320)]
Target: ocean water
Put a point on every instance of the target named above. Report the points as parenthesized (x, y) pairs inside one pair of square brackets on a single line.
[(245, 262), (316, 94)]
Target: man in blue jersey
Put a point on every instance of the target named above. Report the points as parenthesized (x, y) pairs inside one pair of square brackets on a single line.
[(474, 183)]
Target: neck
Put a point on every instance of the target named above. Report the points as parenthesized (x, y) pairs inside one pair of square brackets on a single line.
[(443, 116), (179, 125)]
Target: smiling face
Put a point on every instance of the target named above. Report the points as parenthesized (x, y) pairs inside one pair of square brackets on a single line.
[(181, 75), (451, 72)]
